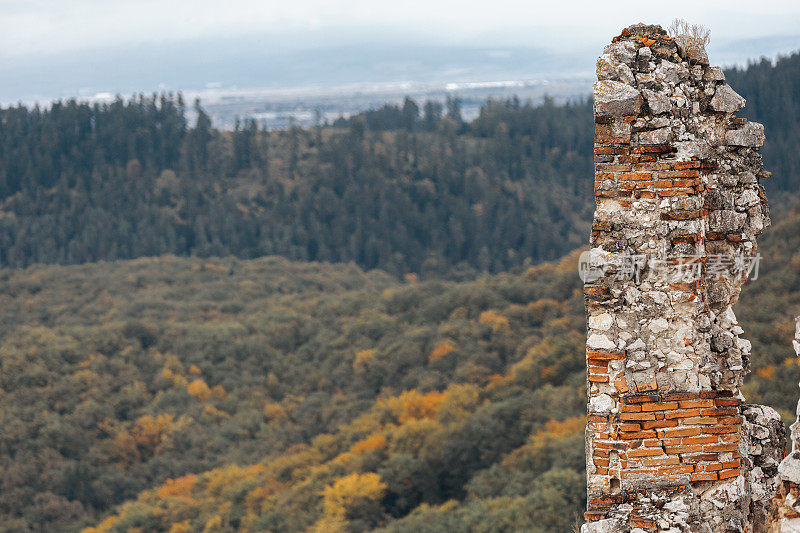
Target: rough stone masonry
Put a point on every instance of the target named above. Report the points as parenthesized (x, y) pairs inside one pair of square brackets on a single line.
[(671, 445)]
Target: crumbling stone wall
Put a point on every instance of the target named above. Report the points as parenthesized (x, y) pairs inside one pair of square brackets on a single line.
[(670, 444), (787, 500)]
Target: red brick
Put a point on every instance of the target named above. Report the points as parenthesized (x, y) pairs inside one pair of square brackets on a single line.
[(658, 424), (652, 149), (637, 435), (699, 457), (623, 408), (683, 165), (678, 174), (682, 449), (630, 427), (640, 398), (637, 416), (604, 356), (720, 430), (596, 378), (665, 461), (721, 448), (676, 192), (721, 411), (725, 402), (661, 406), (710, 439), (645, 452), (689, 404), (652, 166), (644, 523), (635, 176), (678, 469), (698, 420), (673, 396), (611, 167), (726, 474), (610, 150), (703, 476), (683, 413), (679, 432)]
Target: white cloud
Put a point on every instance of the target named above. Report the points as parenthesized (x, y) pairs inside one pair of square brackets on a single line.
[(46, 26)]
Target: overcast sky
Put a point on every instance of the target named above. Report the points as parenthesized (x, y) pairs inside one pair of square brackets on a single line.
[(44, 27)]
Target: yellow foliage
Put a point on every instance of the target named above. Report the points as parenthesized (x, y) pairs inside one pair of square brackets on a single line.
[(149, 431), (199, 389), (348, 492), (176, 379), (330, 524), (363, 358), (146, 435), (255, 498), (369, 444), (213, 525), (561, 428), (412, 405), (767, 372), (496, 380), (790, 361), (103, 526), (181, 527), (220, 479), (212, 412), (440, 351), (178, 488), (494, 319), (218, 391), (194, 370), (275, 411)]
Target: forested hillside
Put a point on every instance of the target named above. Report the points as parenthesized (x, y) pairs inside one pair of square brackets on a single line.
[(409, 189), (397, 189), (265, 395)]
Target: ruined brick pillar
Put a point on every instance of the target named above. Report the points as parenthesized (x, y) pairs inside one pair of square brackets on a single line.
[(670, 444), (787, 500)]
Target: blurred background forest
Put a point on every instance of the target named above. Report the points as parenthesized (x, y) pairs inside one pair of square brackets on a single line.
[(370, 325)]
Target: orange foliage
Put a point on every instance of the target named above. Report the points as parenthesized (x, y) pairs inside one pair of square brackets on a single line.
[(440, 351), (178, 488), (561, 428), (275, 411), (199, 389), (363, 358), (217, 391), (369, 444), (348, 492), (768, 372), (194, 370), (494, 319), (412, 405)]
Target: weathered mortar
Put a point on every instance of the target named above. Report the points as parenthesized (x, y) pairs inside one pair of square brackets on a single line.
[(670, 445)]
